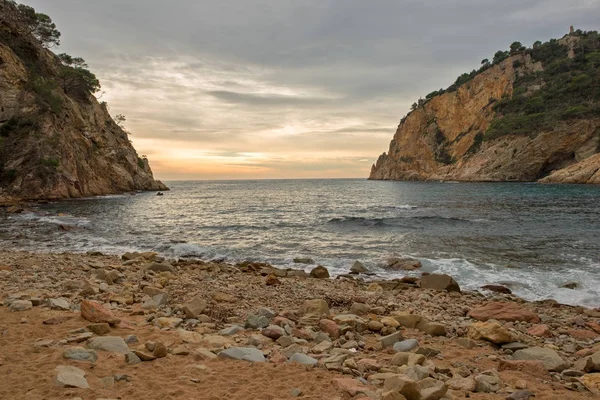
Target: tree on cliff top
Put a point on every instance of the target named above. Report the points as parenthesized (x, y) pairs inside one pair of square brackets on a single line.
[(37, 24), (75, 77)]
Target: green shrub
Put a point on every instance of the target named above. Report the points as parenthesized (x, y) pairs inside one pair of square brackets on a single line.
[(16, 125), (477, 140), (141, 163), (50, 162), (45, 93)]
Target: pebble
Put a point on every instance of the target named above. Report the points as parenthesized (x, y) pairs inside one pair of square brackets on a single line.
[(406, 345), (243, 353), (303, 359), (68, 376), (80, 354)]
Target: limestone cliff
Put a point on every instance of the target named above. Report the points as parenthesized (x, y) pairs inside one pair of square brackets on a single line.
[(507, 123), (53, 143)]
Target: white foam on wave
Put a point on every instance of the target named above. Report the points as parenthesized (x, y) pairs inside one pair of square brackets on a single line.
[(528, 283)]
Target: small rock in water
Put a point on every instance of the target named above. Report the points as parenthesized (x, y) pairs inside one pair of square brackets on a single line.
[(358, 268), (304, 260)]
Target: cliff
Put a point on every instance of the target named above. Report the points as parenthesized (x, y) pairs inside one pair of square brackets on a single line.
[(56, 140), (533, 114)]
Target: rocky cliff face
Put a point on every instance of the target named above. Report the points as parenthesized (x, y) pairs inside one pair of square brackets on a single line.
[(448, 137), (53, 144)]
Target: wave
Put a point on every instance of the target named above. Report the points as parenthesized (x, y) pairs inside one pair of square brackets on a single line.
[(398, 221)]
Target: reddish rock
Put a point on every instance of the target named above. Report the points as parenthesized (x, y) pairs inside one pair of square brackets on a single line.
[(585, 352), (593, 326), (95, 312), (277, 357), (539, 330), (271, 280), (503, 311), (301, 334), (349, 385), (582, 334), (535, 368), (282, 321), (330, 328), (5, 268)]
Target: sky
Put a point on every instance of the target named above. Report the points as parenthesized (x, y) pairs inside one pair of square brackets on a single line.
[(253, 89)]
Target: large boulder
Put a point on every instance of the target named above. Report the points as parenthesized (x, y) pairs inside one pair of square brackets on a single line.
[(319, 272), (490, 331), (550, 358), (503, 311), (405, 264), (440, 282)]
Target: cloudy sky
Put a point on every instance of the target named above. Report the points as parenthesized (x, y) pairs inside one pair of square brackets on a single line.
[(235, 89)]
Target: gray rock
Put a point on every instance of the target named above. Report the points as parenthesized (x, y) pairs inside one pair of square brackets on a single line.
[(132, 359), (390, 340), (550, 358), (303, 359), (130, 339), (80, 354), (230, 330), (243, 353), (520, 395), (266, 312), (417, 372), (291, 350), (160, 299), (194, 307), (68, 376), (20, 305), (112, 344), (256, 322), (59, 304), (304, 260), (406, 345), (431, 389), (514, 346), (296, 392), (592, 363), (487, 384)]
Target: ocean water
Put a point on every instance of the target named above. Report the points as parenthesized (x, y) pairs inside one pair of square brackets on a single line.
[(532, 238)]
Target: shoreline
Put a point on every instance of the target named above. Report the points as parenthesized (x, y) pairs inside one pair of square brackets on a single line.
[(358, 334)]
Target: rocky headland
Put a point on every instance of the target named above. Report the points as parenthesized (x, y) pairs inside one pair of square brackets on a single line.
[(56, 140), (531, 114), (93, 326)]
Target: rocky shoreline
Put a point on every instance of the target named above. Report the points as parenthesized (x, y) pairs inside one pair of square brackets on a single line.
[(92, 326)]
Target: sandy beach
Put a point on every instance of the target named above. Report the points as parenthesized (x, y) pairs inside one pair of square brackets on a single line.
[(141, 327)]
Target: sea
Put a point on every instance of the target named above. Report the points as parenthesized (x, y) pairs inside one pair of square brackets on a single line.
[(532, 238)]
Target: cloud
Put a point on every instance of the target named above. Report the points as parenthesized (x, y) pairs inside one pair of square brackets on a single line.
[(287, 88)]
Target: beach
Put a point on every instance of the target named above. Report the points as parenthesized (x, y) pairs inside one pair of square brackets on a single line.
[(196, 324)]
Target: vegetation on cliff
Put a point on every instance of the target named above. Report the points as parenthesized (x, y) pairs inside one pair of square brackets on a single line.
[(523, 116), (56, 140)]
